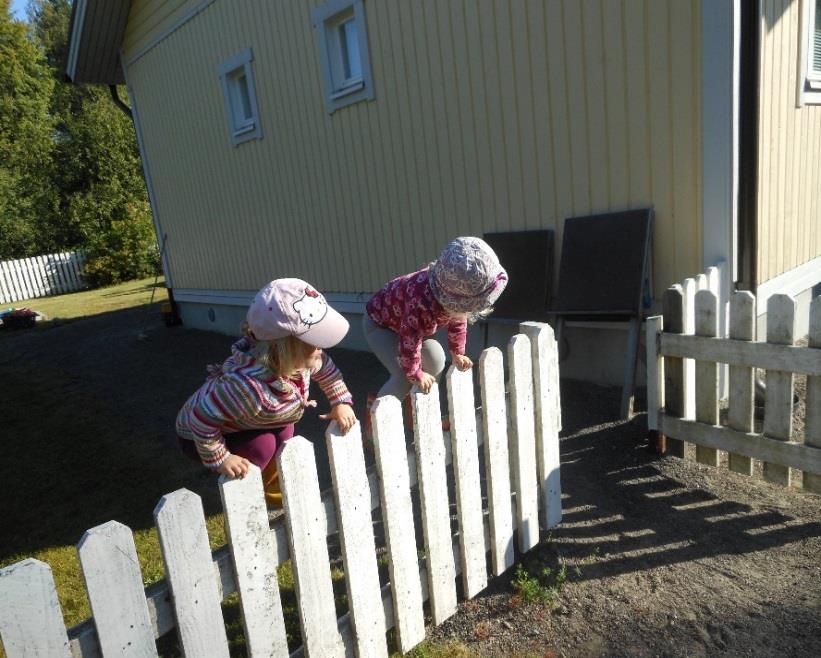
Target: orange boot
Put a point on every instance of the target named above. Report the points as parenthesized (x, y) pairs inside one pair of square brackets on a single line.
[(270, 480)]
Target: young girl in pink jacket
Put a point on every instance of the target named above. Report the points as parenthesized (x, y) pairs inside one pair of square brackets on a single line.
[(459, 287)]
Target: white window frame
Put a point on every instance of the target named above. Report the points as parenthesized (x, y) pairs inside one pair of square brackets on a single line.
[(241, 127), (809, 80), (342, 89)]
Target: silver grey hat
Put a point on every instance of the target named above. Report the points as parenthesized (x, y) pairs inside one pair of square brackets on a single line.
[(467, 277)]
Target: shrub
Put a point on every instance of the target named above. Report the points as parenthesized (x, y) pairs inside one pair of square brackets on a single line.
[(126, 250)]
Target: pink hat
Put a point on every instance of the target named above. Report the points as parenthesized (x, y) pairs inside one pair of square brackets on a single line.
[(292, 307)]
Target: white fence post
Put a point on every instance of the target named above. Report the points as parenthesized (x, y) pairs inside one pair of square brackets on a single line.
[(253, 552), (116, 593), (706, 373), (812, 428), (741, 379), (191, 576), (465, 447), (353, 507), (778, 398), (31, 621), (397, 515), (433, 492), (520, 367), (497, 460), (304, 516), (545, 356)]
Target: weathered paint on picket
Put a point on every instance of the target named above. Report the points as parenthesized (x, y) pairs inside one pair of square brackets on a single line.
[(353, 497), (497, 460), (114, 583), (524, 440), (31, 622), (397, 515), (706, 373), (465, 447), (184, 543), (778, 409), (433, 493), (742, 389), (545, 360), (252, 554), (304, 516), (812, 421), (674, 386)]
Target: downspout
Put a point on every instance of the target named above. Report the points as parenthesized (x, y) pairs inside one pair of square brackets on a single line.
[(115, 96), (747, 247)]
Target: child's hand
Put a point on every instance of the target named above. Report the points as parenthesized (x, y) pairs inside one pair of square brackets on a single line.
[(343, 415), (425, 382), (234, 467), (462, 361)]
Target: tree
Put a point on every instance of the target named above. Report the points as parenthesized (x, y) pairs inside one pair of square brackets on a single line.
[(26, 138)]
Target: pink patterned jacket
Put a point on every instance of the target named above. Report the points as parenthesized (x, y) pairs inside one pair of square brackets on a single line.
[(407, 307)]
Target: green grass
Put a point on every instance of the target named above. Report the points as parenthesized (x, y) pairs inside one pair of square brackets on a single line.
[(93, 302)]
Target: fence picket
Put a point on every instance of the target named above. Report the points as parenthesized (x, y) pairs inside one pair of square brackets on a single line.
[(252, 553), (706, 373), (497, 460), (353, 506), (673, 303), (655, 373), (689, 289), (545, 357), (39, 273), (812, 426), (57, 273), (191, 576), (31, 622), (740, 412), (397, 515), (778, 398), (6, 286), (433, 492), (465, 447), (309, 549), (524, 440), (111, 571)]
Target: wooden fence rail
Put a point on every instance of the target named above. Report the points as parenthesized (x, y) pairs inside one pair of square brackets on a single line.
[(41, 276), (128, 619), (668, 345)]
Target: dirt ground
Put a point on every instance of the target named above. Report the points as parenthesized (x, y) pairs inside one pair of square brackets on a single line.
[(673, 558)]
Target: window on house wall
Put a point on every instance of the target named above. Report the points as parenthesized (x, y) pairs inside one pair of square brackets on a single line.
[(239, 92), (343, 52), (810, 78)]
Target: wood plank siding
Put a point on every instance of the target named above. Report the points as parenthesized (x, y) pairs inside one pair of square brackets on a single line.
[(789, 214), (488, 116)]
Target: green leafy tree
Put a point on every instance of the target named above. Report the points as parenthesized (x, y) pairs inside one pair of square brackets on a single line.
[(26, 138)]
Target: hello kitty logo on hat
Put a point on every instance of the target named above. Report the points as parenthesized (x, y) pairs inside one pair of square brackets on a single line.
[(293, 307), (312, 307)]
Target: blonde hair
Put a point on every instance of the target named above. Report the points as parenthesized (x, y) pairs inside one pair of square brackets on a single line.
[(282, 356)]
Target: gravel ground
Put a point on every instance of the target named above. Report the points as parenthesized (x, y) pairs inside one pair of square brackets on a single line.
[(665, 557)]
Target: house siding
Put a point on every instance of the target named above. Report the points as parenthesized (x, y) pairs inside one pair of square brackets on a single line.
[(489, 116), (149, 19), (789, 216)]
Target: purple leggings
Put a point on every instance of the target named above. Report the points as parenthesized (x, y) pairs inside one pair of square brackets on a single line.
[(257, 446)]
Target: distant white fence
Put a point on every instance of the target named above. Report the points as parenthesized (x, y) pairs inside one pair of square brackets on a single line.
[(669, 344), (41, 276), (127, 618)]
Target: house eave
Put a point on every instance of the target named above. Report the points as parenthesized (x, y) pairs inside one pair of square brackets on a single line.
[(95, 35)]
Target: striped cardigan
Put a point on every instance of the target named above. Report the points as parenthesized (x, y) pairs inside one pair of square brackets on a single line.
[(242, 394)]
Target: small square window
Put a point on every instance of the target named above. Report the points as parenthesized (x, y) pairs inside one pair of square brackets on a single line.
[(810, 64), (343, 51), (239, 92)]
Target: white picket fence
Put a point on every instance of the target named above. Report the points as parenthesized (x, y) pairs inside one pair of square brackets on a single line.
[(41, 276), (127, 618), (669, 345)]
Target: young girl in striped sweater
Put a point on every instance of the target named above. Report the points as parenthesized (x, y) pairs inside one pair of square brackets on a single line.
[(250, 403)]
